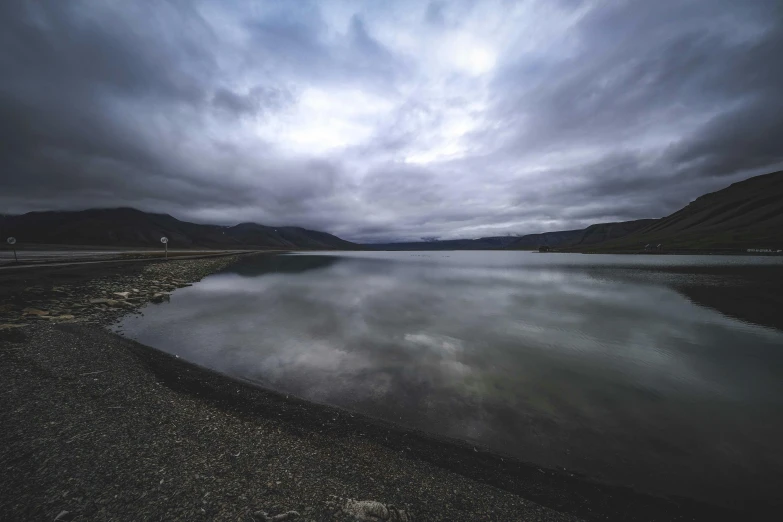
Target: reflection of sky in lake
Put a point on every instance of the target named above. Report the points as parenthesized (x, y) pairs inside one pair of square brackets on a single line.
[(600, 368)]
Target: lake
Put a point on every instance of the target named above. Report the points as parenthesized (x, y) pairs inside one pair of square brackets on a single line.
[(663, 373)]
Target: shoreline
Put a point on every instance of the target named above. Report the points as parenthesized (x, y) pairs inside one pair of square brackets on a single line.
[(102, 427), (561, 491), (518, 489), (96, 293)]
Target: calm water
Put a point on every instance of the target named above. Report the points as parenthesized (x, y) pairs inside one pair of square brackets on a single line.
[(660, 372)]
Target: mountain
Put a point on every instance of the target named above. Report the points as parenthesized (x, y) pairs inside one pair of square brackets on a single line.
[(287, 237), (592, 235), (128, 227), (746, 214), (557, 239), (484, 243), (550, 239)]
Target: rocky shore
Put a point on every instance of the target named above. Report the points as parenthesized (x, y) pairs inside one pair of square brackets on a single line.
[(98, 427), (99, 296)]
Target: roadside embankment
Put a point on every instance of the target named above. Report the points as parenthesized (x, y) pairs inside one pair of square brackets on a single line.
[(95, 294)]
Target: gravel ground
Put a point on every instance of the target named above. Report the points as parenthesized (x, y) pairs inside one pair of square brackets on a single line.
[(90, 430), (97, 427), (97, 294)]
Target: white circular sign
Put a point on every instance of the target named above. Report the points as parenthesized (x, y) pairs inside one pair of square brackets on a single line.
[(11, 240), (164, 240)]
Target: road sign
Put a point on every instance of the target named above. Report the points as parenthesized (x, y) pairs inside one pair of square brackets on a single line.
[(12, 241), (164, 240)]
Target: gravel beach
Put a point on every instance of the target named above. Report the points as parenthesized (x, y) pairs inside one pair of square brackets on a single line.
[(94, 294), (98, 427)]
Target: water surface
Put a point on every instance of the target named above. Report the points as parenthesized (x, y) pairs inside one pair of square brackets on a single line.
[(664, 373)]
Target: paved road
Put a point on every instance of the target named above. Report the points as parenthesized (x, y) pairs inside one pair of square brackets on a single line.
[(49, 255), (33, 258)]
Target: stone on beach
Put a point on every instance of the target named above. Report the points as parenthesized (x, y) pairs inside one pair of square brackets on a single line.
[(374, 511), (34, 311), (9, 326), (159, 297), (291, 515)]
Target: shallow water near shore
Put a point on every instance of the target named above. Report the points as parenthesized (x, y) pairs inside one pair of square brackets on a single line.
[(663, 373)]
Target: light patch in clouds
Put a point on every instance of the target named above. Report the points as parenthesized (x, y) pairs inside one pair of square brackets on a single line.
[(465, 53), (326, 119), (387, 120)]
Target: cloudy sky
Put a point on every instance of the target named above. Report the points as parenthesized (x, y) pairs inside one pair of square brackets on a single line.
[(387, 120)]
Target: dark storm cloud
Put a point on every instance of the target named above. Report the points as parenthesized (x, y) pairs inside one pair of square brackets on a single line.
[(257, 100), (638, 79), (388, 121), (434, 13), (746, 137), (649, 70), (64, 127), (93, 115), (297, 41)]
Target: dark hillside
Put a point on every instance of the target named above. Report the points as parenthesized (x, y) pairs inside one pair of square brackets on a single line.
[(127, 227), (550, 239), (610, 231), (747, 214)]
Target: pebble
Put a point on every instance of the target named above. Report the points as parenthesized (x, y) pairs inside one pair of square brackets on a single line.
[(34, 311)]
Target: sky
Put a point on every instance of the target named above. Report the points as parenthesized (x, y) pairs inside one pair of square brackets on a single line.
[(387, 121)]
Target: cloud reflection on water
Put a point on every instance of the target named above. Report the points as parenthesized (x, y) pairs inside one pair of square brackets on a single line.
[(554, 363)]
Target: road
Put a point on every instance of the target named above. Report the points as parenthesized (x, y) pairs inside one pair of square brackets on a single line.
[(32, 258), (55, 255)]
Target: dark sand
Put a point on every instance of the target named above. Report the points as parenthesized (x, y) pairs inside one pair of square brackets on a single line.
[(108, 429)]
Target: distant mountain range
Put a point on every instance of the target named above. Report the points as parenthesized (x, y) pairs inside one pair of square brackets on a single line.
[(587, 236), (128, 227), (484, 243), (747, 214)]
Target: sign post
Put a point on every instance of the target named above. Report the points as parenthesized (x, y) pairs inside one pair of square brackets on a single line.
[(165, 242), (12, 241)]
